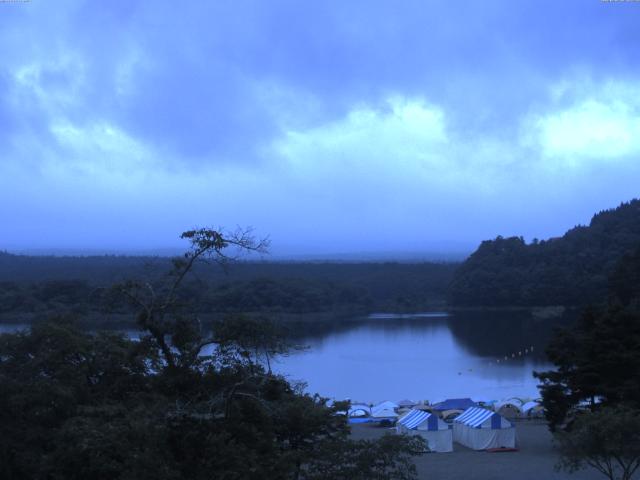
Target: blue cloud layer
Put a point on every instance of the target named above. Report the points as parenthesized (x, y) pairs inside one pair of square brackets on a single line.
[(316, 122)]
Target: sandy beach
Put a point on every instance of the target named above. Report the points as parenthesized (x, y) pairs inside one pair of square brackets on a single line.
[(535, 459)]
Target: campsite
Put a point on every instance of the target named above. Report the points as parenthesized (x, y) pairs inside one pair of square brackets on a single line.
[(477, 442), (534, 460), (475, 425)]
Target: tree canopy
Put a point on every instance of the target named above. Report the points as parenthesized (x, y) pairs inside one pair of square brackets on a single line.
[(571, 270), (179, 403), (607, 440), (597, 360)]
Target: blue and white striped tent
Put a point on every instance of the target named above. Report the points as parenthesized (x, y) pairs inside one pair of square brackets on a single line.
[(475, 416), (437, 434), (479, 429), (416, 418)]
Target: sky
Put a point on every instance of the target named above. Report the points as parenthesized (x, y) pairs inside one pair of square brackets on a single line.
[(332, 127)]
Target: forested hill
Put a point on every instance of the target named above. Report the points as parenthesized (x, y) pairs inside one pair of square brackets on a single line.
[(40, 284), (571, 270)]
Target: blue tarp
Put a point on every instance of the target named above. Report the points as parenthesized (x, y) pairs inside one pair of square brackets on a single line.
[(455, 404), (360, 420)]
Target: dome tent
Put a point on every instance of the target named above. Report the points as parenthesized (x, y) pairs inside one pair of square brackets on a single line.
[(480, 429), (359, 413), (436, 433), (533, 410), (508, 409)]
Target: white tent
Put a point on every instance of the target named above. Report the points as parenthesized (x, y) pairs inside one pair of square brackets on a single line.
[(386, 406), (384, 413), (359, 410), (480, 429), (533, 410), (436, 433)]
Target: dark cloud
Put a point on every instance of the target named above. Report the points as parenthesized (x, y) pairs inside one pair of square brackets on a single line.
[(193, 87)]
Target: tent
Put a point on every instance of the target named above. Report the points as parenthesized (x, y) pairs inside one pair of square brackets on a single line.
[(386, 406), (436, 433), (359, 410), (385, 413), (508, 409), (359, 413), (406, 403), (518, 402), (479, 429), (533, 410), (455, 404)]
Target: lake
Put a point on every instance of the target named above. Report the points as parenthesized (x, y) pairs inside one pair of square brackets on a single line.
[(425, 356), (428, 356)]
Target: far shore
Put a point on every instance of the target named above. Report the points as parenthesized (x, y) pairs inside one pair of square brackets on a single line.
[(124, 320)]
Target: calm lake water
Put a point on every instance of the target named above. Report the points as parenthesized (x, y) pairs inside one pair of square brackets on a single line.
[(426, 356)]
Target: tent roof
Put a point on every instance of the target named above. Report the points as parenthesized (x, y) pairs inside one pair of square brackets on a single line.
[(415, 418), (455, 404), (406, 403), (497, 406), (529, 405), (386, 405), (474, 416), (384, 413), (359, 408)]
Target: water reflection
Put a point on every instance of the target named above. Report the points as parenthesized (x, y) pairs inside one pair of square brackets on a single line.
[(425, 357), (486, 356)]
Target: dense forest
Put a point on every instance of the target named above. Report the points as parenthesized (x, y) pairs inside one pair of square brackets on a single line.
[(572, 270), (40, 286), (79, 405)]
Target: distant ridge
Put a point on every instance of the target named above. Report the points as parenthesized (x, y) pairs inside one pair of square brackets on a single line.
[(451, 255), (570, 270)]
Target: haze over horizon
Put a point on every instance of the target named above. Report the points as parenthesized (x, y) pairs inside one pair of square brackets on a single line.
[(334, 128)]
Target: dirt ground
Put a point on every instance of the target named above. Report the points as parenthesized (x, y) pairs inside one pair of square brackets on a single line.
[(535, 459)]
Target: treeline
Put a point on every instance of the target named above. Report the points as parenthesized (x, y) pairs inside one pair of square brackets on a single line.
[(572, 270), (42, 285)]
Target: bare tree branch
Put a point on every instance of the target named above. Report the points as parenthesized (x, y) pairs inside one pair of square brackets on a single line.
[(205, 243)]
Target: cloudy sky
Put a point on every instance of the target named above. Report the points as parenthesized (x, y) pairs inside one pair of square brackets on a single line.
[(332, 126)]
